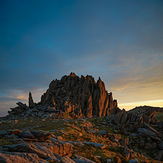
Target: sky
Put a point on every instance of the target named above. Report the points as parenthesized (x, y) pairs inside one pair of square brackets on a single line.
[(119, 40)]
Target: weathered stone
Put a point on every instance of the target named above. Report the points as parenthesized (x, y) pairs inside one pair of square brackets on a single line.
[(17, 141), (159, 156), (149, 145), (152, 129), (160, 124), (25, 134), (87, 124), (114, 136), (103, 132), (91, 98), (124, 142), (134, 161), (52, 109), (14, 131), (41, 134), (66, 159), (124, 118), (160, 145), (20, 158), (25, 147), (146, 118), (30, 101), (21, 105), (129, 153), (97, 145), (3, 132), (117, 117), (81, 159), (141, 143), (148, 133)]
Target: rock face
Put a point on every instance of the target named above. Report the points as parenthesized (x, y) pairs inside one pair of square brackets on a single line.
[(30, 100), (80, 95)]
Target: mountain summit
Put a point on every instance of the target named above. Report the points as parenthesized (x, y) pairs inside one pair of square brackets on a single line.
[(81, 96)]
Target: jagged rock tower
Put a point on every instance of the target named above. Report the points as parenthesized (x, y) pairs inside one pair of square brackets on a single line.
[(83, 96), (30, 101)]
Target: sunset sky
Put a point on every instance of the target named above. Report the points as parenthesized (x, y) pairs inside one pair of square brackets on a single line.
[(119, 40)]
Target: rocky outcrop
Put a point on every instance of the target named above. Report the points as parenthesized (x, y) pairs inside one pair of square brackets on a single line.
[(30, 101), (21, 108), (80, 95), (133, 120), (72, 94)]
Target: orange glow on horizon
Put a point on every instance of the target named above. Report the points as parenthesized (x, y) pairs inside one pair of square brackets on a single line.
[(131, 105)]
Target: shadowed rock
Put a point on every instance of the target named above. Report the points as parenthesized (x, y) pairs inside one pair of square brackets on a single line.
[(30, 101)]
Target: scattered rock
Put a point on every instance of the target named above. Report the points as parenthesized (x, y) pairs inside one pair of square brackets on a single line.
[(97, 145), (66, 159), (2, 133), (160, 145), (159, 156), (20, 158), (25, 134), (148, 133), (41, 134), (80, 159), (124, 142), (114, 136), (103, 132), (134, 161)]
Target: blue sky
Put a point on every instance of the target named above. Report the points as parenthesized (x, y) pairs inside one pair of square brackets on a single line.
[(119, 40)]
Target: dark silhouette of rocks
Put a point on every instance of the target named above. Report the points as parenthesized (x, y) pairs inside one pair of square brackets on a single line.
[(30, 101)]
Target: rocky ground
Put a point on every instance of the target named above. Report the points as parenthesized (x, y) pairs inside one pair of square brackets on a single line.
[(91, 127), (101, 139)]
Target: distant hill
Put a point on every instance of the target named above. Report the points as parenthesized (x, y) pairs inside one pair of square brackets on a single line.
[(142, 109)]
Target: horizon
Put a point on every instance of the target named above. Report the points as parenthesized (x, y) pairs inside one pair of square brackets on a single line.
[(127, 106), (120, 41)]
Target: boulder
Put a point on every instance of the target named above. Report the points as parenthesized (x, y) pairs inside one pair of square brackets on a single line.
[(14, 131), (159, 156), (114, 136), (20, 158), (41, 134), (148, 133), (21, 105), (3, 132), (103, 132), (52, 110), (160, 145), (80, 159), (117, 118), (134, 161), (30, 101), (124, 118), (25, 134), (66, 159), (141, 143), (97, 145), (150, 145), (124, 142), (160, 124)]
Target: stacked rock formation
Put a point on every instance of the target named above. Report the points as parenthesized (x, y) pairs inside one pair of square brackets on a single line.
[(82, 96)]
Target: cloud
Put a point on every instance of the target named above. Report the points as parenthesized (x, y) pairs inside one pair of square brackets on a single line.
[(120, 41)]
